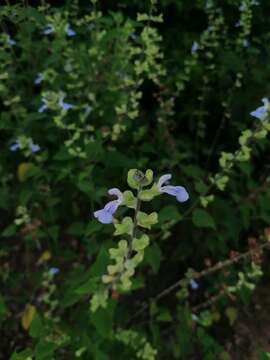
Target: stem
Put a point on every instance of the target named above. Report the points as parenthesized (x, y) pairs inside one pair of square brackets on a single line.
[(220, 265), (135, 222), (132, 236)]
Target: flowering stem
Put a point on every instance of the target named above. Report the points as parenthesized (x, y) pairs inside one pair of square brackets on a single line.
[(135, 222)]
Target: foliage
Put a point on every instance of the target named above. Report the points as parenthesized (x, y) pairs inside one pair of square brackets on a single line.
[(95, 95)]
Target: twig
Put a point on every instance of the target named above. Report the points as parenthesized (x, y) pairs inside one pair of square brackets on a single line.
[(220, 265)]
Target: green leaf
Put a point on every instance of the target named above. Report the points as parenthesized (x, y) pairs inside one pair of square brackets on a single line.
[(3, 309), (88, 287), (125, 227), (99, 267), (146, 220), (37, 327), (141, 243), (164, 316), (23, 355), (169, 213), (44, 350), (153, 257), (131, 179), (76, 229), (149, 194), (129, 199), (231, 313), (202, 218), (102, 319), (9, 230)]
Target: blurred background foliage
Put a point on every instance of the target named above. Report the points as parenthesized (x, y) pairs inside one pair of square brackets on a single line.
[(89, 90)]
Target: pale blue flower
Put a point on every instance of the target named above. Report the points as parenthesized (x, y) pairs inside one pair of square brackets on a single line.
[(261, 111), (69, 31), (194, 285), (195, 47), (49, 29), (179, 192), (53, 271), (39, 78), (34, 147), (105, 215), (15, 146), (245, 43), (11, 41), (194, 317), (64, 105), (44, 106), (133, 36), (243, 7), (88, 110)]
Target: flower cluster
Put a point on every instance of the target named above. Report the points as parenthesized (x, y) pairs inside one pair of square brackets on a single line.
[(19, 145), (61, 103), (50, 29), (105, 215)]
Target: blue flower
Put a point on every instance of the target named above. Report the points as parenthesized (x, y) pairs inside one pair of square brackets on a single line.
[(49, 29), (69, 31), (237, 24), (179, 192), (194, 285), (194, 317), (15, 146), (105, 215), (64, 105), (53, 271), (39, 78), (43, 107), (34, 147), (195, 47), (11, 41), (261, 111), (243, 7), (245, 43)]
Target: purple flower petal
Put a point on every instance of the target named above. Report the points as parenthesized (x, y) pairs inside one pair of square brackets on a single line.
[(53, 271), (15, 146), (117, 193), (69, 31), (38, 79), (163, 179), (261, 111), (194, 285), (64, 105), (11, 41), (34, 147), (195, 47), (179, 192), (245, 43), (49, 29), (42, 108), (103, 216)]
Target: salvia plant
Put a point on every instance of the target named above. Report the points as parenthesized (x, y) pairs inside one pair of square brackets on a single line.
[(171, 263)]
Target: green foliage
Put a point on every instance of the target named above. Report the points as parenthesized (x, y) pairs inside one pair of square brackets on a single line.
[(129, 96)]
